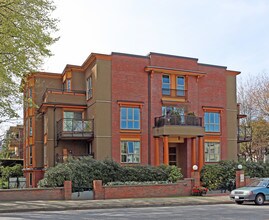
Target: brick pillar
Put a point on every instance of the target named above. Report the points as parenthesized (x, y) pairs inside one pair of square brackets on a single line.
[(193, 152), (201, 154), (98, 190), (240, 178), (165, 151), (157, 152), (196, 176), (67, 190)]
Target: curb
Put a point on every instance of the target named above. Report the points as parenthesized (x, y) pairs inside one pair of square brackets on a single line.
[(113, 206)]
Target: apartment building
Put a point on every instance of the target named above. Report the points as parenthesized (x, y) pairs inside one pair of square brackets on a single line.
[(154, 109), (14, 139)]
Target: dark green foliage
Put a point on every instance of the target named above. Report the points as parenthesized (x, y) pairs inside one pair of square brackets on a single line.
[(82, 172), (15, 171), (222, 175)]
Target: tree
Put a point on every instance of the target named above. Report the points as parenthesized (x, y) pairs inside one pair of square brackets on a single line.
[(26, 27), (253, 96)]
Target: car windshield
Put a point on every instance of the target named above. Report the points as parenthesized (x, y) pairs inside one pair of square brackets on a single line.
[(259, 183)]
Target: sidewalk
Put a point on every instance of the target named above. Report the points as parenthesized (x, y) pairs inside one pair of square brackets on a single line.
[(26, 206)]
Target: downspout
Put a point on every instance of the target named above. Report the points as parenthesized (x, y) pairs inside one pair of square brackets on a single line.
[(55, 141), (149, 118)]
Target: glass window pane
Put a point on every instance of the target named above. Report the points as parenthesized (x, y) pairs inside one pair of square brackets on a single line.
[(217, 118), (180, 80), (136, 125), (130, 147), (123, 113), (130, 113), (123, 124), (130, 158), (166, 79), (211, 118), (136, 114), (68, 114), (130, 125), (123, 158)]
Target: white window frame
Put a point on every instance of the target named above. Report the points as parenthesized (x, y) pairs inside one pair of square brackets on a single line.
[(212, 151)]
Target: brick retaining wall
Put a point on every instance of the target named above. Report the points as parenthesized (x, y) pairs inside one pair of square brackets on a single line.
[(181, 188), (60, 193)]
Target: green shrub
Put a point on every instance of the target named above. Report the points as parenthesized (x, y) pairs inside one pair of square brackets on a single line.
[(15, 171), (83, 171)]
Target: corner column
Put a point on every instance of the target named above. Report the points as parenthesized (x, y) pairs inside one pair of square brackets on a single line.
[(165, 151), (201, 153), (193, 152), (157, 152)]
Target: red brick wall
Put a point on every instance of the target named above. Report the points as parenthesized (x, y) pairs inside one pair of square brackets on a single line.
[(181, 188), (60, 193), (129, 83)]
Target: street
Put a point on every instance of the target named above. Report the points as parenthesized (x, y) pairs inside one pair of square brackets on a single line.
[(228, 211)]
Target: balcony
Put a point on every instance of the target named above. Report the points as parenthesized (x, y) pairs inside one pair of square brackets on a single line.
[(175, 93), (69, 128), (244, 134), (184, 126), (65, 158), (63, 96)]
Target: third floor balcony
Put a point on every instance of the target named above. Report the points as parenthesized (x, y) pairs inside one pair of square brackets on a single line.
[(64, 96)]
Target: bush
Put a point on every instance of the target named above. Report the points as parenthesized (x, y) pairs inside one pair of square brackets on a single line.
[(15, 171), (83, 171), (222, 175)]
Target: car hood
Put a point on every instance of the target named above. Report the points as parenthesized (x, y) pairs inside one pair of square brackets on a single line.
[(249, 188)]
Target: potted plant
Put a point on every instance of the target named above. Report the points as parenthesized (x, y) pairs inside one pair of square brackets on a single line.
[(199, 191)]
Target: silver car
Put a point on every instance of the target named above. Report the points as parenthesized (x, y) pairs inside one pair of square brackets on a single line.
[(257, 191)]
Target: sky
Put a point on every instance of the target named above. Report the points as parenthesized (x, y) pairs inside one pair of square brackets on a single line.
[(232, 33)]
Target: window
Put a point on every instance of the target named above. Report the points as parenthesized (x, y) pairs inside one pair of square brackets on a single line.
[(130, 151), (212, 151), (30, 155), (212, 122), (30, 179), (45, 154), (180, 86), (166, 85), (68, 85), (130, 118), (45, 123), (30, 100), (30, 127), (175, 112), (72, 121), (26, 156), (89, 87)]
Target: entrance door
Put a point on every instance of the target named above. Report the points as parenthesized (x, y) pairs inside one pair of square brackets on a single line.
[(173, 156)]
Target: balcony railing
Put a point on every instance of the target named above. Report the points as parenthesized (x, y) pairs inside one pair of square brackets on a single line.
[(174, 93), (68, 128), (244, 134), (187, 120), (61, 91)]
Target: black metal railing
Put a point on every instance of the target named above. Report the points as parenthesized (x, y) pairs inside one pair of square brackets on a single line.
[(71, 128), (174, 92), (61, 91), (180, 120), (244, 134)]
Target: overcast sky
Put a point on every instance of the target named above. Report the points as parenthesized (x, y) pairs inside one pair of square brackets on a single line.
[(232, 33)]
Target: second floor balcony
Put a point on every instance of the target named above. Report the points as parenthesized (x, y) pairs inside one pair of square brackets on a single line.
[(244, 134), (70, 128), (179, 125)]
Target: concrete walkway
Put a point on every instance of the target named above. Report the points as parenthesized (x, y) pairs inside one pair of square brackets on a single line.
[(25, 206)]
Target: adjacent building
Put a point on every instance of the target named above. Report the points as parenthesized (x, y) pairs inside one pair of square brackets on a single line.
[(154, 109), (14, 141)]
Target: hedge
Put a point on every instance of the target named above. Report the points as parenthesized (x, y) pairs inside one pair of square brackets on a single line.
[(83, 171)]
